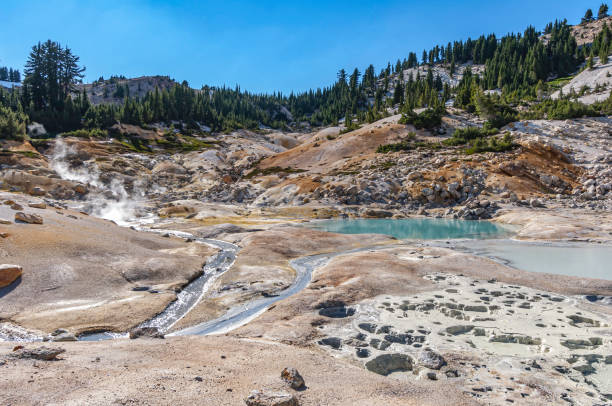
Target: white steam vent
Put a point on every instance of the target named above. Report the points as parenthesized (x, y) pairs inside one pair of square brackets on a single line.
[(110, 201)]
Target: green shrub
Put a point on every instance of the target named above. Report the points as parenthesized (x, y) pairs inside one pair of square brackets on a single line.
[(561, 109), (272, 170), (494, 111), (492, 144), (12, 124), (462, 136), (404, 145), (427, 119), (172, 141), (400, 146), (83, 133)]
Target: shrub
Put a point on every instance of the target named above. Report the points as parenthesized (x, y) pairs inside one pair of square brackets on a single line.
[(427, 119), (270, 171), (83, 133), (561, 109), (404, 145), (496, 113), (400, 146), (12, 124), (493, 144), (462, 136)]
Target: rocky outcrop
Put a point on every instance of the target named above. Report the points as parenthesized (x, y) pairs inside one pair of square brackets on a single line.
[(38, 353), (269, 398), (28, 218), (477, 210), (9, 274)]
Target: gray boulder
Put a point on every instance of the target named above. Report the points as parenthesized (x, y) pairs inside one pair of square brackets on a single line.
[(388, 363)]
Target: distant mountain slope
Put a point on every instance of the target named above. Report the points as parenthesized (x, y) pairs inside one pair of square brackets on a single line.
[(115, 90), (586, 33)]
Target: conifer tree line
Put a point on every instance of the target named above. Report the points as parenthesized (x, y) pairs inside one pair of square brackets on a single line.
[(9, 74), (601, 14), (515, 63)]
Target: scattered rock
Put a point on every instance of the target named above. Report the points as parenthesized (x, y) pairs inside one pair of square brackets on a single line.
[(380, 344), (337, 312), (151, 332), (388, 363), (577, 320), (38, 191), (430, 359), (28, 218), (369, 327), (333, 342), (452, 373), (292, 377), (9, 274), (5, 221), (16, 206), (481, 309), (265, 398), (515, 339), (479, 332), (363, 353), (62, 335), (80, 189), (578, 344), (37, 205), (456, 330), (38, 353)]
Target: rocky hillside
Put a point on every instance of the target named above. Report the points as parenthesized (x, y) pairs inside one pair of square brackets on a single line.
[(586, 33), (115, 90), (590, 85)]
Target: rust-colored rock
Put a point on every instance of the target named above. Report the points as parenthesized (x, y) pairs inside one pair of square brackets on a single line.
[(28, 218), (9, 274)]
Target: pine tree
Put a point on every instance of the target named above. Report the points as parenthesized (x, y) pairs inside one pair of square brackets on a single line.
[(590, 63), (50, 77), (603, 11), (603, 55), (588, 16)]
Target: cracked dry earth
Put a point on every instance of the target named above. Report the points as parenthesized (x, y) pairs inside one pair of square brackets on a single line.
[(504, 343)]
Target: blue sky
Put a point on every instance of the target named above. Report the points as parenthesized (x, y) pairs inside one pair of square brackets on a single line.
[(262, 45)]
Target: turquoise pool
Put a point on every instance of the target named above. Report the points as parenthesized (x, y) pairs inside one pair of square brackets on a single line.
[(417, 228)]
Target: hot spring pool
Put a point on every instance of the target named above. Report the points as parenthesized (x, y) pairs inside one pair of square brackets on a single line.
[(419, 228), (490, 240)]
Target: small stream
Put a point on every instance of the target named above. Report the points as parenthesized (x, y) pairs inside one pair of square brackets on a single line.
[(191, 294), (241, 315)]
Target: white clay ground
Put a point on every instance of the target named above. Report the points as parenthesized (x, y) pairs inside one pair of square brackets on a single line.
[(532, 347)]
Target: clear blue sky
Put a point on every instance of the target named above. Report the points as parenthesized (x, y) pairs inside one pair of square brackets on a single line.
[(261, 45)]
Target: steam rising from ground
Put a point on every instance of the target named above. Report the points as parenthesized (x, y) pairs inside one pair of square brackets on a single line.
[(108, 200)]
